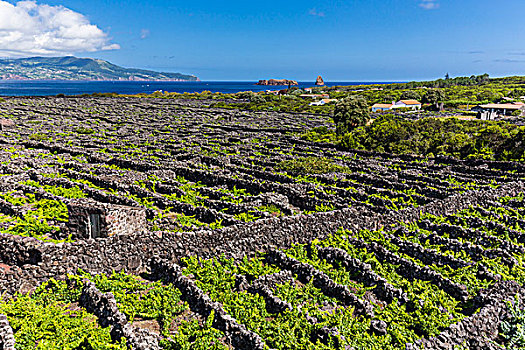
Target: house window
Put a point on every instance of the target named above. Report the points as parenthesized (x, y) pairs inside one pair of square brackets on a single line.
[(94, 225)]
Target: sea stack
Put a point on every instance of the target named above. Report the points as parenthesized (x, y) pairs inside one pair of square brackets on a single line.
[(319, 81)]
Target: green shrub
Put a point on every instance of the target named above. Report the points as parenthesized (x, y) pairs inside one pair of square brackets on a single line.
[(450, 136), (104, 94), (320, 134), (513, 328), (84, 131), (38, 137), (311, 165)]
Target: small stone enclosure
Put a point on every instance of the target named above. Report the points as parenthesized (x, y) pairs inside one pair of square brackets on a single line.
[(89, 219), (6, 124)]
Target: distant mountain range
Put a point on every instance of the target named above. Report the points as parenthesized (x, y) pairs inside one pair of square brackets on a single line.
[(73, 68)]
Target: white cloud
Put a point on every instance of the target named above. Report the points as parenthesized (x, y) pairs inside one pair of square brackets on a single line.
[(314, 12), (429, 4), (144, 33), (31, 29)]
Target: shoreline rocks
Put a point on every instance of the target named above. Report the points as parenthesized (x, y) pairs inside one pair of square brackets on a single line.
[(277, 82)]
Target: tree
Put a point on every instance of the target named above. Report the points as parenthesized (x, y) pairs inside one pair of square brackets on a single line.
[(257, 99), (489, 96), (350, 113), (517, 93), (434, 97), (388, 98), (483, 79), (410, 95)]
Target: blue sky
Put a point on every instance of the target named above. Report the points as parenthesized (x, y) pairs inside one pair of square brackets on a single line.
[(374, 40)]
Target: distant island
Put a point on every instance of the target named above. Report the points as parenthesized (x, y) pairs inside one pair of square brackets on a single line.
[(277, 82), (73, 68)]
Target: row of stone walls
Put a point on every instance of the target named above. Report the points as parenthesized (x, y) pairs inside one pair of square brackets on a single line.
[(480, 330), (37, 262), (7, 339)]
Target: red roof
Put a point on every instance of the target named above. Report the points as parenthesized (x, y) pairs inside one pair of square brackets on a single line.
[(411, 102)]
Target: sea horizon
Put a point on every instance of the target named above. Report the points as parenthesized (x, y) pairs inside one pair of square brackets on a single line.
[(79, 87)]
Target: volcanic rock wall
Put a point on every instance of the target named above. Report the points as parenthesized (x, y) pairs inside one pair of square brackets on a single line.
[(7, 339), (93, 219), (30, 262)]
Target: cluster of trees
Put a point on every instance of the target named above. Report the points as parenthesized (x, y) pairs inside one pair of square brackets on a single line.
[(430, 137), (447, 82), (350, 113)]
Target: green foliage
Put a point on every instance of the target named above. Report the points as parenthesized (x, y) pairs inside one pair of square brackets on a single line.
[(447, 83), (35, 223), (139, 299), (350, 112), (320, 134), (434, 97), (434, 136), (286, 103), (70, 193), (38, 137), (257, 99), (46, 324), (104, 94), (193, 336), (410, 95), (311, 165), (246, 217), (272, 209), (84, 131), (513, 328)]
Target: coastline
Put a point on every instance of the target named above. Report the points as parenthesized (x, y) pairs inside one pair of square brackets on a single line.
[(99, 80), (79, 87)]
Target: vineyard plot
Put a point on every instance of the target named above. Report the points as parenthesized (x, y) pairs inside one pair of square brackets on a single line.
[(207, 228), (194, 168)]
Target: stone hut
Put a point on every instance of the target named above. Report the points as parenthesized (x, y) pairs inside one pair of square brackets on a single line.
[(90, 219), (6, 124)]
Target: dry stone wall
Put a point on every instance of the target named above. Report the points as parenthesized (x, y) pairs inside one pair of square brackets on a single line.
[(36, 261), (476, 332), (104, 306), (240, 337), (187, 168), (90, 219), (7, 339)]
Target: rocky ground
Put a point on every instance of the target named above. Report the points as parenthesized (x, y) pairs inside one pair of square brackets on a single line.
[(435, 237)]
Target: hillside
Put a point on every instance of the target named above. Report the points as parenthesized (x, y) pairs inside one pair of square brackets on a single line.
[(73, 68), (252, 239)]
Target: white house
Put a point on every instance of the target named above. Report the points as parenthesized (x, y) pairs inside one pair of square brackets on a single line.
[(381, 107), (314, 96), (412, 104), (322, 102)]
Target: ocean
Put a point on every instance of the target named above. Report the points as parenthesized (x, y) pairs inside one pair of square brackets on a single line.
[(51, 88)]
